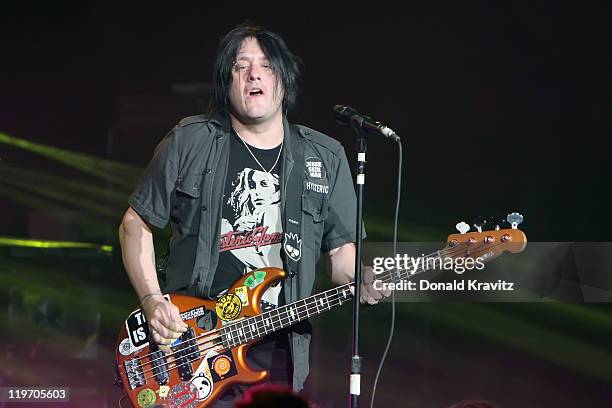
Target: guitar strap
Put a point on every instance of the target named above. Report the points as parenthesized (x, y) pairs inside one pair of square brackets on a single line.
[(291, 252)]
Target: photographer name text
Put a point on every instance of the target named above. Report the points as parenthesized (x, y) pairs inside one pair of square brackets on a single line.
[(455, 285)]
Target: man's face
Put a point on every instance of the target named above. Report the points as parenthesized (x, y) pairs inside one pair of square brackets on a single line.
[(255, 94)]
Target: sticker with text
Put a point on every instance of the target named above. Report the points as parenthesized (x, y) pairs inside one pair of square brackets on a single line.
[(228, 307), (243, 293)]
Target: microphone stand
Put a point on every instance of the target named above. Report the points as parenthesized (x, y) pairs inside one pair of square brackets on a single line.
[(355, 378)]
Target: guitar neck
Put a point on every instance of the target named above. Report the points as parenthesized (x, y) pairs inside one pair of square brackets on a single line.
[(253, 328)]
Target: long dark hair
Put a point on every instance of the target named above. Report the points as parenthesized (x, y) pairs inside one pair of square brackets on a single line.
[(286, 65)]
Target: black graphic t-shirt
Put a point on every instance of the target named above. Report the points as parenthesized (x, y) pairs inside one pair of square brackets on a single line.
[(251, 228), (251, 238)]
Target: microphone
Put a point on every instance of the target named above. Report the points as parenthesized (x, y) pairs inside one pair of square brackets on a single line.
[(346, 115)]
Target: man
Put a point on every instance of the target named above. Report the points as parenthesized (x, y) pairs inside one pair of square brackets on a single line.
[(243, 189)]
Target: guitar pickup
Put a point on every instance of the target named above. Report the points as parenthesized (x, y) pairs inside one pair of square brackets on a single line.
[(159, 364), (134, 372), (188, 352)]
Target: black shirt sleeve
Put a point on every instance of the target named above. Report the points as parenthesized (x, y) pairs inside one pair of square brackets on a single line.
[(152, 197), (340, 223)]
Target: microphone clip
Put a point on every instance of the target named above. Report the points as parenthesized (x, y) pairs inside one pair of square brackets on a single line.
[(346, 115)]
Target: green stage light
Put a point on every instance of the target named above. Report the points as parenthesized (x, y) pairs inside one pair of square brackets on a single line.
[(116, 172), (32, 243)]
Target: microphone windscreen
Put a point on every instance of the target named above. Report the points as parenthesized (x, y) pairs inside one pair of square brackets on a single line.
[(344, 114)]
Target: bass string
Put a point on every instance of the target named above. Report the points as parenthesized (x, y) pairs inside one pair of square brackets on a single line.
[(335, 302), (232, 328), (256, 321), (206, 334)]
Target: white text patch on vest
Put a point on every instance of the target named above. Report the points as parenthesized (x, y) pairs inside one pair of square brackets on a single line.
[(319, 188)]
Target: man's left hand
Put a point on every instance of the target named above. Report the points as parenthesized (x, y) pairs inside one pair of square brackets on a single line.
[(368, 294)]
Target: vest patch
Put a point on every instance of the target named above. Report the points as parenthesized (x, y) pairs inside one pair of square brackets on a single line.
[(317, 188), (315, 168), (293, 246)]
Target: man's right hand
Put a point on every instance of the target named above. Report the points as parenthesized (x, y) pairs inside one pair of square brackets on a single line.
[(165, 323)]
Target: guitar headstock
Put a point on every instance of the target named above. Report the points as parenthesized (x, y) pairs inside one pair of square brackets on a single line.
[(487, 244)]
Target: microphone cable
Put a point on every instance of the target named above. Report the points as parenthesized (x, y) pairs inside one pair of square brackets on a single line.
[(395, 222)]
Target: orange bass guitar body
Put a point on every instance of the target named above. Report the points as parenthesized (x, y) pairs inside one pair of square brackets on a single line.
[(208, 359)]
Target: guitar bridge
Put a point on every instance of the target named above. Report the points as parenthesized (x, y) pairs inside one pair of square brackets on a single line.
[(134, 372)]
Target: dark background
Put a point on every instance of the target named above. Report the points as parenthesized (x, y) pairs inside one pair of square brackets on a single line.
[(501, 108)]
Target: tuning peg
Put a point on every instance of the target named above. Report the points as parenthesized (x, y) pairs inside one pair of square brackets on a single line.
[(479, 223), (514, 219), (494, 223), (462, 227)]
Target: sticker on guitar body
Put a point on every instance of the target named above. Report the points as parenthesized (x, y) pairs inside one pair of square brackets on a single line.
[(228, 307), (146, 398), (243, 293), (125, 347), (193, 313), (204, 386), (222, 366), (255, 279), (208, 320), (183, 395), (203, 369), (138, 329), (163, 391)]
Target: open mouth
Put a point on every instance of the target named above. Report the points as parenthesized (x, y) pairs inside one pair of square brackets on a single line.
[(255, 92)]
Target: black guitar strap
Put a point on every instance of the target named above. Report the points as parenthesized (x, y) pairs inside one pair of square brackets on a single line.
[(292, 240)]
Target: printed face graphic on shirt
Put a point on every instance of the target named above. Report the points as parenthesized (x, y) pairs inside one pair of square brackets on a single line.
[(253, 192), (263, 188)]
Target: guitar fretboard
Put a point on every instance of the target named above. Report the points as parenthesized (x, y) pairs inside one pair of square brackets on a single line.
[(252, 328)]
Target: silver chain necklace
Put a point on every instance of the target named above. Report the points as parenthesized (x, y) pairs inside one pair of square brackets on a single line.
[(262, 167)]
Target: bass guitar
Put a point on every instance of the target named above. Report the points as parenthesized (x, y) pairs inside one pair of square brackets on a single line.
[(211, 355)]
